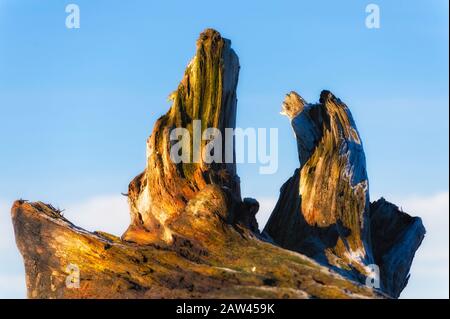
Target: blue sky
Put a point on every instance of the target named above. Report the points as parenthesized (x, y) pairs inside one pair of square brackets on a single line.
[(78, 104)]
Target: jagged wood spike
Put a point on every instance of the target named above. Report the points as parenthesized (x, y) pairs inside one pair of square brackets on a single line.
[(207, 92), (324, 210)]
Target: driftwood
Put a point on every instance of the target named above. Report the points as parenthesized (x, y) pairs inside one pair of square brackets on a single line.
[(193, 236), (324, 210)]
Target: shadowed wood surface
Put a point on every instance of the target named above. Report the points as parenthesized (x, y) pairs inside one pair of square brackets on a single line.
[(324, 209)]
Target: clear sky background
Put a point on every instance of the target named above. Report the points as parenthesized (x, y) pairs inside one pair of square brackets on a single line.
[(76, 105)]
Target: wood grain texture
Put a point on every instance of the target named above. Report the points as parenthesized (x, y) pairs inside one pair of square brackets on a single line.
[(192, 235)]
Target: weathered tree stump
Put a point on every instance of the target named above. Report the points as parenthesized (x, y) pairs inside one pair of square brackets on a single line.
[(193, 236)]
